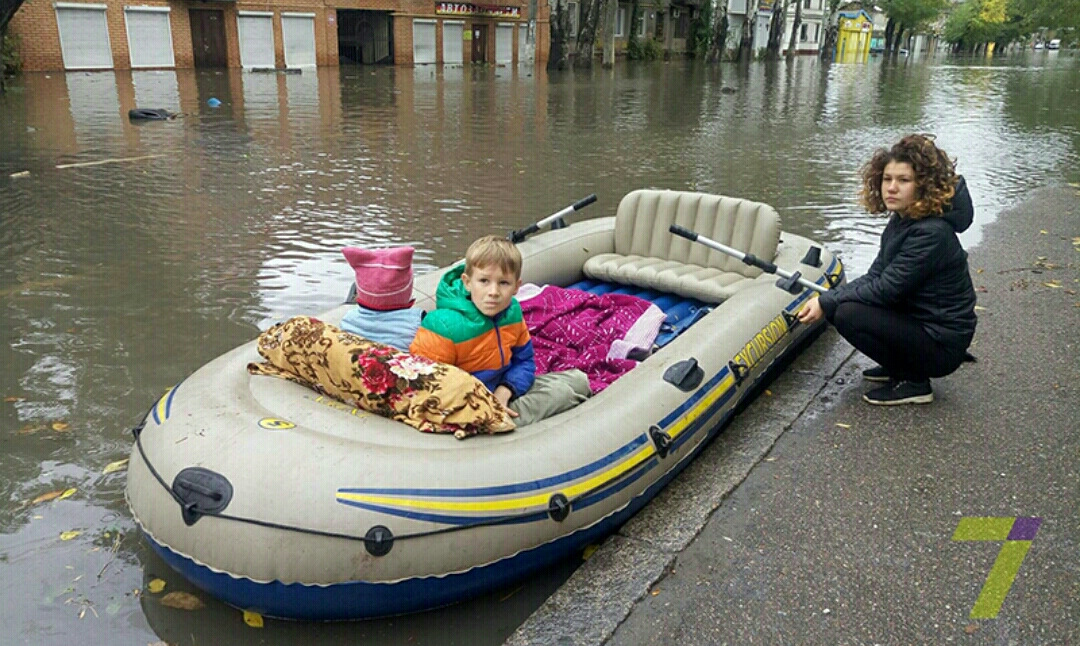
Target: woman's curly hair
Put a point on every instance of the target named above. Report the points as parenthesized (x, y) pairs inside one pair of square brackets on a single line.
[(935, 176)]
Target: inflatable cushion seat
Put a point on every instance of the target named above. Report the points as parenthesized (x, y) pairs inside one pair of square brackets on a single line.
[(648, 255)]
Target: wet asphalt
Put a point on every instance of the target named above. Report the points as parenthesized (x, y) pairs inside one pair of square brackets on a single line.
[(815, 518)]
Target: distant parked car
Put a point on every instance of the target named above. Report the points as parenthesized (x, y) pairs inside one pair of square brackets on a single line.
[(1038, 45), (1054, 44)]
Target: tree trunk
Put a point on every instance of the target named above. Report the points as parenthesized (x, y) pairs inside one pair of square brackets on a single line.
[(719, 40), (890, 28), (746, 43), (636, 16), (832, 33), (776, 30), (898, 37), (586, 35), (795, 29), (560, 35), (612, 8)]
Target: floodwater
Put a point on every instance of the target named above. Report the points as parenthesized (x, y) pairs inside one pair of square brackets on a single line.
[(134, 253)]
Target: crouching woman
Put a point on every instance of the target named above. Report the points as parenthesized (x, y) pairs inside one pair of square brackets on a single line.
[(913, 312)]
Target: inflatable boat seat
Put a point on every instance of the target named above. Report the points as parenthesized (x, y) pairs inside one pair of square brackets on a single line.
[(648, 255)]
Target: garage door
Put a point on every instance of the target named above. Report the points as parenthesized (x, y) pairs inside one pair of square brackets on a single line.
[(149, 36), (452, 42), (84, 36), (504, 43), (423, 42), (298, 32), (256, 30)]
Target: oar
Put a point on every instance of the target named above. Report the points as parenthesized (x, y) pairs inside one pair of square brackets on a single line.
[(555, 220), (750, 259)]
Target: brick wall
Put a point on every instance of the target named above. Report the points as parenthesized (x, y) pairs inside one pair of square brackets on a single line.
[(36, 27)]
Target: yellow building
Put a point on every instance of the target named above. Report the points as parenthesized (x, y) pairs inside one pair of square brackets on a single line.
[(853, 42)]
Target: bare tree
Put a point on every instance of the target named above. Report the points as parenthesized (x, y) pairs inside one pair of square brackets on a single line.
[(560, 35), (7, 12), (832, 32), (776, 30), (586, 34), (795, 28), (719, 40)]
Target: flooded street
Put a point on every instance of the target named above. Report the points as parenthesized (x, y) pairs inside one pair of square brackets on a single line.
[(135, 253)]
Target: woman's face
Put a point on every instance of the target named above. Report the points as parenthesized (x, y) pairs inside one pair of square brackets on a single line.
[(898, 186)]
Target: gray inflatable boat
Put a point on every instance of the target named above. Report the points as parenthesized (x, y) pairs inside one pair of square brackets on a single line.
[(284, 502)]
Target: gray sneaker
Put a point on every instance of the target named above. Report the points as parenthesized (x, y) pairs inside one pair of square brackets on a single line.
[(901, 392)]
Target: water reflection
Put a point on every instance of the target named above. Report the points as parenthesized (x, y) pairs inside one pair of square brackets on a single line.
[(121, 277)]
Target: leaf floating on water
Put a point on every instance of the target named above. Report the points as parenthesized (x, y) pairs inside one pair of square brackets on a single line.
[(253, 619), (12, 399), (67, 536), (60, 426), (1042, 232), (68, 493), (113, 467), (45, 497), (843, 425), (1054, 284), (588, 552), (182, 601), (155, 586)]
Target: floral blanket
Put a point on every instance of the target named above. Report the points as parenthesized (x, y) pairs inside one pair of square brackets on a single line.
[(429, 396), (572, 328)]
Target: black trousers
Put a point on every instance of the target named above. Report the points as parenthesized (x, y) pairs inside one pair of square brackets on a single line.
[(896, 341)]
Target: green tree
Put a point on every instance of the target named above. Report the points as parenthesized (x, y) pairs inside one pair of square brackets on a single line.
[(7, 12), (906, 16)]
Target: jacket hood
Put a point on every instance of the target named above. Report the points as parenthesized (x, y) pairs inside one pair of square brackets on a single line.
[(960, 213), (451, 294)]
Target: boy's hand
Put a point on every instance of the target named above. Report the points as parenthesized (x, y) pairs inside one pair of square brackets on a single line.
[(503, 394)]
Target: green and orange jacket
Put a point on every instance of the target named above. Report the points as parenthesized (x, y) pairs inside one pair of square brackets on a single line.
[(496, 350)]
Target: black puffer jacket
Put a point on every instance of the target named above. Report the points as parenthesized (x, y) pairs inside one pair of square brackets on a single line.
[(921, 270)]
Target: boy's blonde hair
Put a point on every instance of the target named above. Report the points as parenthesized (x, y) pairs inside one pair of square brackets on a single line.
[(493, 250)]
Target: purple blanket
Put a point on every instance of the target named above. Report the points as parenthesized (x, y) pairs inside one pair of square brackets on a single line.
[(571, 328)]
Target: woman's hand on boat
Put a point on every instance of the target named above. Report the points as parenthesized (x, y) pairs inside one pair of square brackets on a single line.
[(811, 312)]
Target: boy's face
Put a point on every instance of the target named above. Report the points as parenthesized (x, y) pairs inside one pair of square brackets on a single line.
[(490, 288)]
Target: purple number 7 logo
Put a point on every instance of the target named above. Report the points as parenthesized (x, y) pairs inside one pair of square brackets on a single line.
[(1017, 535)]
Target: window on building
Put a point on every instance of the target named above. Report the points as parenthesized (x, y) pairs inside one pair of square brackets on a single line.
[(804, 31), (642, 19), (620, 22), (572, 7), (806, 4)]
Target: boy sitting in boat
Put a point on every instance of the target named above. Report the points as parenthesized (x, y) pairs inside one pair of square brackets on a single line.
[(477, 325), (384, 287)]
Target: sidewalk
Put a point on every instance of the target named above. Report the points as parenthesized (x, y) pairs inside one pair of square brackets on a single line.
[(818, 519)]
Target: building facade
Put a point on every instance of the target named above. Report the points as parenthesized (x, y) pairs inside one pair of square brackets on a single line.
[(275, 34)]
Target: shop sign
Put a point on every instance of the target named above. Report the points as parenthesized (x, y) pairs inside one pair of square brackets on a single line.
[(466, 9)]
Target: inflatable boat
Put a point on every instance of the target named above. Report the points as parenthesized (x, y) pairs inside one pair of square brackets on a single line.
[(280, 500)]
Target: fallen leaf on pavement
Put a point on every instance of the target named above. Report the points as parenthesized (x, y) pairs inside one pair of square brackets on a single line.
[(971, 629), (843, 425), (1055, 284), (60, 426), (155, 586), (980, 308), (68, 493), (253, 619), (182, 601), (67, 536)]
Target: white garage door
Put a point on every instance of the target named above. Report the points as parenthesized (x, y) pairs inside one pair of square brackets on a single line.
[(84, 36), (504, 43), (298, 32), (423, 42), (149, 36), (452, 40), (256, 29)]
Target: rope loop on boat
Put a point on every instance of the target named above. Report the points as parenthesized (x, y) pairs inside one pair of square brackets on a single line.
[(379, 538)]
